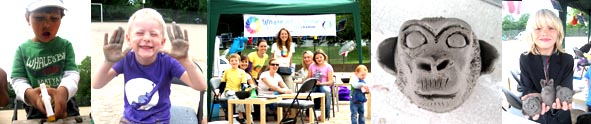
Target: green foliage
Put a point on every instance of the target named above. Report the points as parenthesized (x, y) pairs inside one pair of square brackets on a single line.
[(509, 23), (180, 11), (331, 51), (83, 95), (349, 32)]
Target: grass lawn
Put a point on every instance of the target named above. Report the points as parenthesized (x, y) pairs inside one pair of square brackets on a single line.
[(331, 51)]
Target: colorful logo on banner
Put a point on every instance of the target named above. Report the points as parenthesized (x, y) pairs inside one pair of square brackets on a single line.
[(253, 25), (298, 25)]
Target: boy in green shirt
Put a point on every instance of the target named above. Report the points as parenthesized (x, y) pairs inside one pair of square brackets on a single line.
[(45, 58)]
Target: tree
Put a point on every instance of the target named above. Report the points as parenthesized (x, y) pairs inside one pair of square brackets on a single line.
[(83, 93), (509, 23), (349, 32)]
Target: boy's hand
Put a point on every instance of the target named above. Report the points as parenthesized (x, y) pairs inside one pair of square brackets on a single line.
[(112, 47), (180, 42), (33, 97), (60, 97)]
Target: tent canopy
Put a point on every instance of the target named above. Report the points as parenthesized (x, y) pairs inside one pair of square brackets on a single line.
[(215, 8)]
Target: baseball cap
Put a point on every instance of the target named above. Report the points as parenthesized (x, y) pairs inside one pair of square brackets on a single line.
[(45, 3)]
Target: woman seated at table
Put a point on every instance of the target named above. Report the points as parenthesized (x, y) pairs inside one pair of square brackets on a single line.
[(272, 82)]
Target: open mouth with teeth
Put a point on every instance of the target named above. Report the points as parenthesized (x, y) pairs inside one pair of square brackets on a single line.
[(434, 84), (435, 88), (146, 47), (437, 96)]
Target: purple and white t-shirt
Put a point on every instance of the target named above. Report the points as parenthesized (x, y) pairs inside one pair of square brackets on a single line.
[(321, 73), (140, 105)]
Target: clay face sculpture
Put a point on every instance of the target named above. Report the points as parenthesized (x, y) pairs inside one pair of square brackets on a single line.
[(548, 92), (532, 105), (564, 94), (436, 62)]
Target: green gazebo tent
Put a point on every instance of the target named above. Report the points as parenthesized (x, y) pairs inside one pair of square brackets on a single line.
[(215, 8)]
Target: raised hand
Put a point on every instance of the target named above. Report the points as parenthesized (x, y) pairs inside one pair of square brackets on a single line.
[(112, 47), (180, 42)]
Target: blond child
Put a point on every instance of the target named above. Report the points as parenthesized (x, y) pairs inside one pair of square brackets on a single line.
[(358, 98), (234, 78), (148, 72), (546, 60)]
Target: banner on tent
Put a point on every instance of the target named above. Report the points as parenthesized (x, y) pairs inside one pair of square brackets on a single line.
[(297, 25)]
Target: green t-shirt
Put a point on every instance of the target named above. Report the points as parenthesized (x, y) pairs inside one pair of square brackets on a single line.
[(44, 62)]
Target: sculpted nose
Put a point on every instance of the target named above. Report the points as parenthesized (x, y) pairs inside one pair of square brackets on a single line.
[(434, 64)]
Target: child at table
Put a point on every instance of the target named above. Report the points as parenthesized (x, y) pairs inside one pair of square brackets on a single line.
[(234, 78)]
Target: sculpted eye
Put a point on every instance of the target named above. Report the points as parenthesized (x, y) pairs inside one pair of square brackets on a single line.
[(456, 41), (415, 39)]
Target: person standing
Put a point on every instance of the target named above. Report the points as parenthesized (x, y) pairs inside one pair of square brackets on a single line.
[(282, 51)]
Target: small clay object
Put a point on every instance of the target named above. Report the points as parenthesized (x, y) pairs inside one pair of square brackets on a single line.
[(548, 91), (437, 61), (564, 94), (78, 119), (532, 105)]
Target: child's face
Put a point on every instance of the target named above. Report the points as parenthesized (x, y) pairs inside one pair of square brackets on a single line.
[(234, 62), (545, 37), (45, 24), (319, 59), (361, 74), (262, 47), (244, 64), (146, 37)]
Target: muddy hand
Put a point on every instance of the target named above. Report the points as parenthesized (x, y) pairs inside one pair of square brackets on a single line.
[(33, 96), (60, 98), (112, 47), (180, 42)]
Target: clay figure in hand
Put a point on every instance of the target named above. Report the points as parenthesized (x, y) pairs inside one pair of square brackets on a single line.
[(532, 105), (548, 91), (564, 94), (437, 62)]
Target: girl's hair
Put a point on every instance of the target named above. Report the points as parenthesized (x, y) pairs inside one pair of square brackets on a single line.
[(261, 40), (287, 43), (361, 68), (541, 18), (147, 13), (249, 68), (303, 63), (319, 52)]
